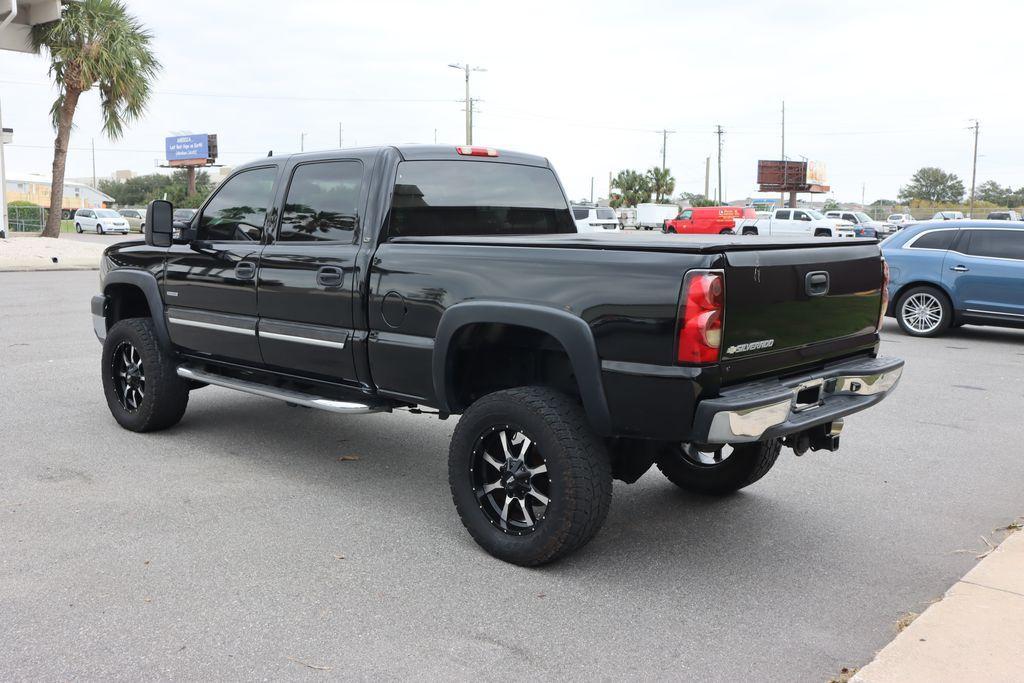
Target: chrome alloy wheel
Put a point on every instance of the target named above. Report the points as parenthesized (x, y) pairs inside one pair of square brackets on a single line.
[(129, 376), (922, 312), (510, 479)]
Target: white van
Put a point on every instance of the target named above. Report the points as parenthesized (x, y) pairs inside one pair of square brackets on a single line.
[(594, 218), (100, 221)]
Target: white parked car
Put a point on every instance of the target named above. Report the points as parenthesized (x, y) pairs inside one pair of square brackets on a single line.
[(594, 218), (100, 221), (1004, 216), (795, 222), (864, 225), (900, 220)]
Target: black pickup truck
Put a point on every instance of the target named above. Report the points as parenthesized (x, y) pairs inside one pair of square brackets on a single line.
[(415, 277)]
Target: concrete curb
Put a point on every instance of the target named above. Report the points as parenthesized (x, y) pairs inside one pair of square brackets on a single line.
[(973, 633)]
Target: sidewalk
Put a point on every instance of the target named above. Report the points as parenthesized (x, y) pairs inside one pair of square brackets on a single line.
[(27, 251), (975, 633)]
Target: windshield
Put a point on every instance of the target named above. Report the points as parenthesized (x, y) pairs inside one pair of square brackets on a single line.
[(862, 217), (814, 214), (896, 217), (107, 213)]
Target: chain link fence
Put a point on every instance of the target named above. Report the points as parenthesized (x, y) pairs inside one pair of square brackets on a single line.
[(26, 218), (923, 213)]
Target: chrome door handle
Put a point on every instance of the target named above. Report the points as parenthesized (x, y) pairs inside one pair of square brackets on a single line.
[(959, 269), (329, 276), (245, 270)]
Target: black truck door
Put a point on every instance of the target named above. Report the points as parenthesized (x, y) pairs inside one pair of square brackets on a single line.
[(210, 283), (307, 275)]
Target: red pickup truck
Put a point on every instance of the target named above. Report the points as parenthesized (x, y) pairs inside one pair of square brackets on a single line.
[(708, 220)]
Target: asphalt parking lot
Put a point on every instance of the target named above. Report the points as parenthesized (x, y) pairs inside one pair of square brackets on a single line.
[(243, 543)]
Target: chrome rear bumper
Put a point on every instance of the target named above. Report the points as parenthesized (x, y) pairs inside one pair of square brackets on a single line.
[(776, 408)]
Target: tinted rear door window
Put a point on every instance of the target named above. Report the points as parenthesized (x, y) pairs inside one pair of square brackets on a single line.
[(996, 243), (477, 198), (782, 216), (321, 203)]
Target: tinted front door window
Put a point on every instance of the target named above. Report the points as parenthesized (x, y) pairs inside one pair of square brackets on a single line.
[(239, 209)]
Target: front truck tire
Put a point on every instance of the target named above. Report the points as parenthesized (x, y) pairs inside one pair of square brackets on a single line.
[(717, 473), (140, 380), (530, 479)]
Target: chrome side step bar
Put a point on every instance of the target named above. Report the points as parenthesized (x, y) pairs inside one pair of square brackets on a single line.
[(287, 395)]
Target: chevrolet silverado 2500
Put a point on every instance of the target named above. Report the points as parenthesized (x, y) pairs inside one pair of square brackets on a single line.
[(414, 277)]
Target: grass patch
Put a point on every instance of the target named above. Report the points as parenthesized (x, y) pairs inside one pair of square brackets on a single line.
[(845, 674), (906, 620)]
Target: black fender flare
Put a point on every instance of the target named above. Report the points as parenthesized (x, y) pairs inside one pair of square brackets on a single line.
[(147, 283), (571, 331)]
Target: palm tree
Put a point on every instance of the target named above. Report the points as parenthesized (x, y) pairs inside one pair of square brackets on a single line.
[(662, 183), (94, 43)]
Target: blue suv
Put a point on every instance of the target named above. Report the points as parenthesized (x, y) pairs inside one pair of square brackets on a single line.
[(949, 273)]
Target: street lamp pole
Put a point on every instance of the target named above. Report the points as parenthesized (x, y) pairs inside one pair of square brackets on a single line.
[(466, 68), (3, 181)]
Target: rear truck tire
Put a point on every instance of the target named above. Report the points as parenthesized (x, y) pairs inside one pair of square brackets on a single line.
[(750, 231), (530, 479), (717, 473), (78, 228), (822, 233), (140, 381), (924, 312)]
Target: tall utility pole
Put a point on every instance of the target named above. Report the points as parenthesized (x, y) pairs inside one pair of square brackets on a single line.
[(862, 187), (707, 176), (719, 132), (785, 168), (664, 146), (591, 189), (469, 102), (341, 136), (974, 166), (94, 162), (302, 142)]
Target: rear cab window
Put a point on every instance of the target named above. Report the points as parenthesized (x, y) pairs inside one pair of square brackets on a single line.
[(606, 214), (436, 198)]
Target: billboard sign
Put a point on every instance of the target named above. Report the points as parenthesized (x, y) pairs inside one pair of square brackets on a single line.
[(188, 148), (817, 174)]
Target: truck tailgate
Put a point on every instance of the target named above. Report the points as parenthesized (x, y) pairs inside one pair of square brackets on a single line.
[(789, 307)]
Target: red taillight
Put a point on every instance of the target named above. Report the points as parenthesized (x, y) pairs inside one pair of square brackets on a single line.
[(700, 321), (885, 293), (466, 150)]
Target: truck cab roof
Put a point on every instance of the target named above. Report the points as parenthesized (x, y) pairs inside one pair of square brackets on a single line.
[(410, 152)]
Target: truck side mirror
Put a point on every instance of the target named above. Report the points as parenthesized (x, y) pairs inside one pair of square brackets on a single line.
[(159, 223)]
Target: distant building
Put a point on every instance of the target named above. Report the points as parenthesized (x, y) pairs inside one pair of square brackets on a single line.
[(123, 175), (36, 189), (17, 17)]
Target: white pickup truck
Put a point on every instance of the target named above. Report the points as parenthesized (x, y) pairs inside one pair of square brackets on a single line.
[(794, 222)]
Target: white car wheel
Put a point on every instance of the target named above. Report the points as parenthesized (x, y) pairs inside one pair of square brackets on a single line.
[(78, 228), (99, 229)]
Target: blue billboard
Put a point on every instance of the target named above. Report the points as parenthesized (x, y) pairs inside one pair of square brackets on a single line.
[(188, 147)]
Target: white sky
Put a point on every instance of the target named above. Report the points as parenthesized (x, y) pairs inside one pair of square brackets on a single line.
[(874, 90)]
